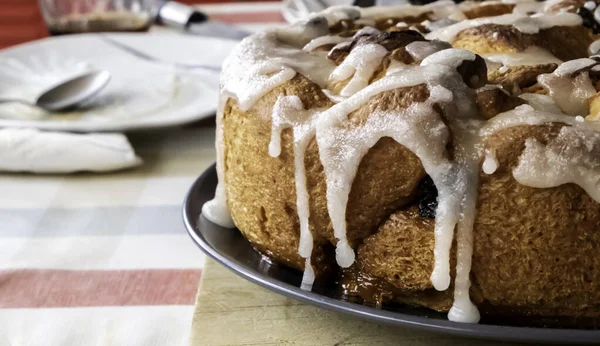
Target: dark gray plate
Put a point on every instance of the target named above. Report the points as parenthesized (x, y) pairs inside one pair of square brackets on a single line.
[(228, 247)]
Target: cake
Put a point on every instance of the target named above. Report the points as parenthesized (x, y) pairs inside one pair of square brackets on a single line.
[(444, 155)]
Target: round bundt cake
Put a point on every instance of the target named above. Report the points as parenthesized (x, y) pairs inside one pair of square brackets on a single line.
[(444, 155)]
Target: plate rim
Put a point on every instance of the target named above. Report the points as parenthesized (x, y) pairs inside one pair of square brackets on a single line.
[(117, 125), (398, 319)]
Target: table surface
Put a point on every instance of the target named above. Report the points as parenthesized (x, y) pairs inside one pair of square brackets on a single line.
[(104, 259), (233, 311)]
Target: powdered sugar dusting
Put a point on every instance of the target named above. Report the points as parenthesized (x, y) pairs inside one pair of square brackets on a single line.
[(572, 157)]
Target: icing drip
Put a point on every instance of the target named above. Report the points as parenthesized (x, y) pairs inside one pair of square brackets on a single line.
[(419, 50), (395, 66), (341, 149), (523, 115), (266, 60), (438, 9), (324, 40), (438, 24), (463, 309), (309, 276), (333, 97), (570, 93), (449, 57), (337, 40), (523, 23), (594, 47), (572, 157), (288, 112), (361, 63), (216, 210), (529, 57), (590, 5), (541, 102), (262, 62), (528, 7), (299, 34), (490, 163)]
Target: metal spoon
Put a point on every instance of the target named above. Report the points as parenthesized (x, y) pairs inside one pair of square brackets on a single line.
[(69, 93)]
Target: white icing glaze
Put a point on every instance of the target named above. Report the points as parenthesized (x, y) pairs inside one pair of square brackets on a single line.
[(341, 149), (449, 57), (262, 62), (541, 102), (463, 309), (332, 96), (549, 3), (529, 57), (594, 47), (395, 66), (523, 23), (438, 9), (572, 157), (523, 115), (266, 60), (288, 112), (438, 24), (334, 14), (336, 40), (490, 163), (216, 210), (590, 5), (570, 93), (360, 64), (527, 7), (324, 40), (308, 278), (420, 50), (469, 5), (572, 66)]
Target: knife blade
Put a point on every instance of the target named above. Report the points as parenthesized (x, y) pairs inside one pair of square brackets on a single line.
[(195, 22)]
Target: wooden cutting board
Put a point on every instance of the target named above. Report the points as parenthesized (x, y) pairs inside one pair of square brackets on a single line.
[(233, 311)]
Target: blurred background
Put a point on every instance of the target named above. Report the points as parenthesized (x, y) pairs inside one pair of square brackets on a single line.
[(22, 20)]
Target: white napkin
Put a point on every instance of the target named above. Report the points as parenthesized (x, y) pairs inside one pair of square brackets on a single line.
[(31, 150)]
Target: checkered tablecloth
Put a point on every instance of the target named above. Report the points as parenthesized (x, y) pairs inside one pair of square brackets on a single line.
[(103, 259)]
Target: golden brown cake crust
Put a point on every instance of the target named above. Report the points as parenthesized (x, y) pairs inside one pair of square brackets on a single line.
[(261, 192), (489, 10), (531, 246), (566, 43), (528, 243)]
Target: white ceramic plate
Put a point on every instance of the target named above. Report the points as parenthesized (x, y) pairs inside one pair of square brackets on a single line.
[(141, 94)]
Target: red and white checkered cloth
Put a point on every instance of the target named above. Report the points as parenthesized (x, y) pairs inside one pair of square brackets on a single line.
[(103, 259)]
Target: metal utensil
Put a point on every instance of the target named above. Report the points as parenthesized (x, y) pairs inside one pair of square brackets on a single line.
[(70, 93), (139, 54), (191, 20)]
